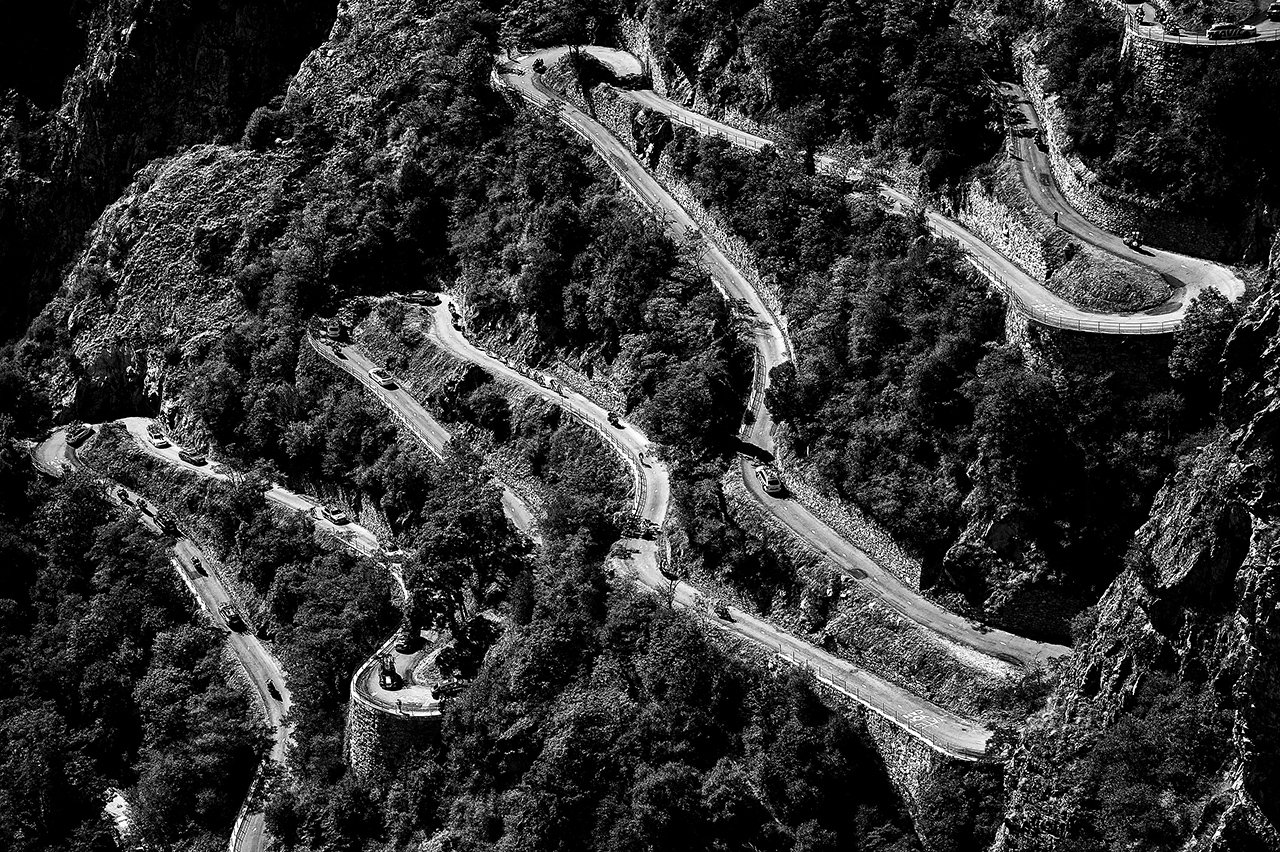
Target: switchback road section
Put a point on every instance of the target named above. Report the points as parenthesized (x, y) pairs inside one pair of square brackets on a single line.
[(939, 728), (1030, 296), (773, 348)]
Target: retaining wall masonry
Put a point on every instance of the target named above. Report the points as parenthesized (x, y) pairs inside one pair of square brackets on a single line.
[(1034, 245), (845, 518), (375, 738)]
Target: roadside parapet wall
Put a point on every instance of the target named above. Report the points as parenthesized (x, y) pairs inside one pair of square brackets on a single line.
[(1109, 208)]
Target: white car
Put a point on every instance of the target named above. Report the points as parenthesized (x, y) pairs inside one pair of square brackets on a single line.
[(383, 378), (160, 442), (334, 515), (769, 479)]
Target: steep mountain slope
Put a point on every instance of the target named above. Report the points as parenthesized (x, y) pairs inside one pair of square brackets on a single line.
[(1164, 732), (155, 76)]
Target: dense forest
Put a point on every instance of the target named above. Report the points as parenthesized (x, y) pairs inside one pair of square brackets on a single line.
[(907, 400), (110, 679), (1198, 151), (595, 717)]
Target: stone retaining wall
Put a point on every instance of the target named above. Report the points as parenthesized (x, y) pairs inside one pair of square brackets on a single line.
[(615, 113), (1029, 241), (375, 739), (845, 518), (1109, 208)]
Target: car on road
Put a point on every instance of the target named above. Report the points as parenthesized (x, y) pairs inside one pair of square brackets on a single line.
[(1230, 30), (457, 323), (160, 442), (721, 611), (338, 353), (192, 457), (769, 479), (272, 691), (424, 297), (198, 564), (231, 617), (78, 434), (154, 430), (123, 497), (1133, 240), (447, 687), (334, 515), (167, 524), (1273, 12), (393, 556), (146, 508), (382, 377), (614, 421)]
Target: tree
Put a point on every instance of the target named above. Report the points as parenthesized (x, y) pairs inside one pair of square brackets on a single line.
[(1196, 360)]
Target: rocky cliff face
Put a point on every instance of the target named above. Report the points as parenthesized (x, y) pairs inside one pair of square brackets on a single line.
[(156, 77), (197, 241), (1195, 614)]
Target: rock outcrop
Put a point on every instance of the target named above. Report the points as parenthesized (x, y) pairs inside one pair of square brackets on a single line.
[(1197, 608), (155, 77)]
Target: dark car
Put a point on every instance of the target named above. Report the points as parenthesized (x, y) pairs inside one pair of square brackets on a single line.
[(339, 354), (198, 564), (424, 297), (123, 496), (167, 524), (231, 617), (272, 691), (614, 421), (1273, 12), (447, 687), (721, 611), (77, 435), (192, 457)]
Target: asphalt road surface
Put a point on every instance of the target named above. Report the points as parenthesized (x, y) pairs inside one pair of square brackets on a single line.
[(402, 403), (1190, 275), (1141, 21)]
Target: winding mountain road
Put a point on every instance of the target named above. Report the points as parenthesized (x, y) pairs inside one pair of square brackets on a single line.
[(55, 456), (1190, 275), (937, 727), (418, 420), (773, 348)]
